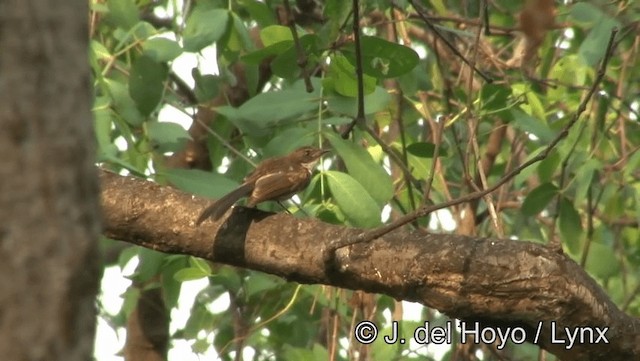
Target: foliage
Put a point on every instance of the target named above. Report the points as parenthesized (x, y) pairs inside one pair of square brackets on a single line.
[(419, 97)]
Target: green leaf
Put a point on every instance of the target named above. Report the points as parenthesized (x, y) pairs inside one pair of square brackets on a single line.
[(278, 42), (584, 178), (102, 121), (594, 45), (569, 70), (285, 65), (260, 12), (207, 86), (364, 169), (420, 166), (440, 7), (602, 261), (570, 225), (255, 57), (337, 120), (199, 182), (123, 13), (130, 300), (110, 156), (228, 278), (353, 200), (384, 59), (615, 205), (424, 150), (344, 79), (275, 34), (338, 11), (259, 283), (538, 199), (146, 83), (149, 266), (533, 125), (291, 353), (267, 108), (200, 264), (534, 103), (239, 38), (189, 274), (636, 202), (373, 103), (547, 167), (632, 165), (143, 30), (99, 50), (171, 287), (123, 104), (494, 97), (167, 136), (126, 255), (204, 27), (138, 32), (584, 12), (161, 49), (320, 353), (288, 140)]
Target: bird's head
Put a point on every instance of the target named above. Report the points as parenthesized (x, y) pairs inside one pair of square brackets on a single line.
[(308, 156)]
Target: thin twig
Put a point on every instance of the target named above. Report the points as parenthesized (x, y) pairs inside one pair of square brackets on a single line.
[(590, 211), (224, 142), (377, 232), (593, 206), (555, 241), (437, 141), (398, 114), (485, 18), (393, 156), (360, 118), (447, 42), (359, 71), (630, 298), (183, 88), (496, 30), (302, 57), (472, 150)]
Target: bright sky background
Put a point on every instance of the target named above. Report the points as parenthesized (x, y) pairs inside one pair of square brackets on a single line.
[(109, 342)]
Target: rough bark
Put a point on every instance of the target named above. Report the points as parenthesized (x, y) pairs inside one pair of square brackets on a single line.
[(498, 283), (48, 185)]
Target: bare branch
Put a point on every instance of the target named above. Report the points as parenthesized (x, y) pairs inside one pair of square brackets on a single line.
[(498, 283)]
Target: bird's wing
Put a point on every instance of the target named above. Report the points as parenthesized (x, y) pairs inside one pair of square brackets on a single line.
[(278, 186)]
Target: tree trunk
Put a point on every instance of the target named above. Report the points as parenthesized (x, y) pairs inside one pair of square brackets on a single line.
[(48, 185)]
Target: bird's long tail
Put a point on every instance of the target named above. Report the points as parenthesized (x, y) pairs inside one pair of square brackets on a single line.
[(219, 207)]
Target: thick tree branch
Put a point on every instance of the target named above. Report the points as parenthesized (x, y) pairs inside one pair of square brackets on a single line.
[(499, 283)]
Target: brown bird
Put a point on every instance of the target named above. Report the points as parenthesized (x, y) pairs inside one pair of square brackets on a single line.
[(273, 179)]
